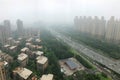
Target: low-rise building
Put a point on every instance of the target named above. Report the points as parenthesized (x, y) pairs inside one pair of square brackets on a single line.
[(23, 59), (22, 74), (70, 65), (47, 77), (42, 62)]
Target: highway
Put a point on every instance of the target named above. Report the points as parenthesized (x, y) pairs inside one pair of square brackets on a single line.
[(111, 64)]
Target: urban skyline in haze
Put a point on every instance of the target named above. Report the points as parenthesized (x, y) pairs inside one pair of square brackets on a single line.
[(56, 10)]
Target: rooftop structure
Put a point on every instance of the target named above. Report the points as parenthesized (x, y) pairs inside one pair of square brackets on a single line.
[(17, 42), (29, 40), (19, 39), (39, 53), (23, 72), (28, 44), (71, 64), (42, 59), (12, 47), (6, 46), (38, 47), (24, 49), (38, 40), (47, 77), (22, 56)]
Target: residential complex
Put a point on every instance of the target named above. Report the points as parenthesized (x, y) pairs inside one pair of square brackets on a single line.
[(99, 28)]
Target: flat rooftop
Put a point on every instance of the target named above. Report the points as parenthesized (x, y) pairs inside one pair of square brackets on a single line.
[(6, 45), (19, 38), (28, 44), (12, 47), (23, 72), (71, 64), (24, 49), (47, 77), (38, 40), (30, 39), (39, 53), (17, 41), (22, 56), (42, 59)]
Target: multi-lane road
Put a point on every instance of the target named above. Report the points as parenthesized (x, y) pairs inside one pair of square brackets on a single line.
[(112, 64)]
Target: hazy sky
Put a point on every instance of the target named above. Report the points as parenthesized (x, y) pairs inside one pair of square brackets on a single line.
[(56, 10)]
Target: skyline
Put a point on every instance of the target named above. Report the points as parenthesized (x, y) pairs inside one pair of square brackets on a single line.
[(56, 10)]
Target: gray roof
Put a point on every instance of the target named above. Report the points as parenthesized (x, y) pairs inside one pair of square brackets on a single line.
[(71, 64)]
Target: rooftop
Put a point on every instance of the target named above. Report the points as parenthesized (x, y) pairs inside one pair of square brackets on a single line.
[(24, 49), (28, 44), (13, 47), (38, 40), (42, 59), (23, 72), (38, 47), (39, 53), (17, 41), (19, 38), (47, 77), (22, 56), (6, 46), (30, 39), (71, 64)]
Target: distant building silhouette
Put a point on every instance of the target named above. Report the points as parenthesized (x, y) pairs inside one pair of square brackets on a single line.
[(20, 28), (5, 31), (99, 28)]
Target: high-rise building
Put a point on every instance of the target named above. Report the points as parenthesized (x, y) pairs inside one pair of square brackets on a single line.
[(23, 59), (42, 63), (7, 26), (110, 31), (5, 32), (117, 31), (76, 22), (21, 73), (100, 30), (20, 28), (1, 34), (3, 71)]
